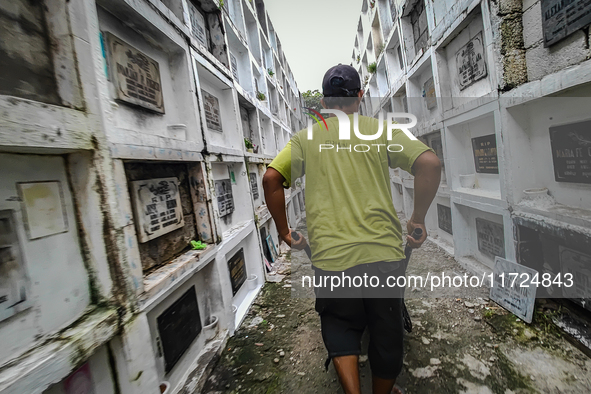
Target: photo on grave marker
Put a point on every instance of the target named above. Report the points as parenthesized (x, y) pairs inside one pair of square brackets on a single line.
[(157, 207), (178, 327), (571, 152), (470, 62), (485, 154), (211, 106), (237, 269), (14, 284), (136, 76), (43, 208), (223, 191), (254, 185), (491, 238)]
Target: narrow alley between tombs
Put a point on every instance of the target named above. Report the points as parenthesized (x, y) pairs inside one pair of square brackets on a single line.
[(462, 342)]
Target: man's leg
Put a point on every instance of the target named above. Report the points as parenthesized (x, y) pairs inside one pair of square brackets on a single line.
[(382, 386), (383, 307), (342, 320), (348, 370), (386, 342)]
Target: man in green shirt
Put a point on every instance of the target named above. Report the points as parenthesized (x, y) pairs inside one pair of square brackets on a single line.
[(353, 227)]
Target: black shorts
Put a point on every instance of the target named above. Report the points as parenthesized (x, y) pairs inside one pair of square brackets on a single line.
[(344, 318)]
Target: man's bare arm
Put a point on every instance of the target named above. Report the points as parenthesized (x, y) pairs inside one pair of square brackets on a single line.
[(427, 172), (275, 197)]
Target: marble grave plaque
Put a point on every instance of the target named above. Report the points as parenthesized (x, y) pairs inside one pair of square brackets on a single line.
[(571, 152), (485, 154), (444, 218), (178, 327), (470, 62), (157, 207), (223, 191), (517, 296), (491, 238), (136, 76), (211, 105), (254, 185), (561, 18), (237, 268)]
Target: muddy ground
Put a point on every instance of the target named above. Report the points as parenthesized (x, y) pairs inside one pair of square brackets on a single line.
[(461, 343)]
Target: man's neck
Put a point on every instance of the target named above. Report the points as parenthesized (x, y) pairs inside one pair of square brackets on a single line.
[(348, 112)]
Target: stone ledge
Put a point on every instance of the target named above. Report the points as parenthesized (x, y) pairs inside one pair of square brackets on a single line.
[(167, 278), (36, 127), (201, 369), (54, 359)]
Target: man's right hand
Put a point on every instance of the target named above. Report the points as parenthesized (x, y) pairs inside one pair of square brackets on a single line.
[(298, 244), (411, 225)]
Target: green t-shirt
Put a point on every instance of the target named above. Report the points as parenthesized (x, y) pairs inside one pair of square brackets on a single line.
[(349, 211)]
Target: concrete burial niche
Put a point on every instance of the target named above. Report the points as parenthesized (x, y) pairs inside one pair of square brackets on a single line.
[(422, 101), (473, 162), (415, 31), (548, 141), (557, 251), (22, 75), (154, 101), (279, 137), (255, 178), (250, 124), (480, 235), (177, 322), (237, 16), (267, 135), (252, 31), (231, 194), (94, 376), (38, 244), (219, 106), (464, 62), (240, 61), (242, 273), (394, 59), (164, 212)]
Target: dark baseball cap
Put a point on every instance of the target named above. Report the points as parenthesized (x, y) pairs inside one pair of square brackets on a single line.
[(341, 81)]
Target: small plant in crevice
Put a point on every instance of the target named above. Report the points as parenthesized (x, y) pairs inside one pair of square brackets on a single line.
[(372, 67), (358, 58), (271, 72), (261, 96)]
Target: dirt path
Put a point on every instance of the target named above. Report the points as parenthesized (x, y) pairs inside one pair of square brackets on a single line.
[(461, 343)]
